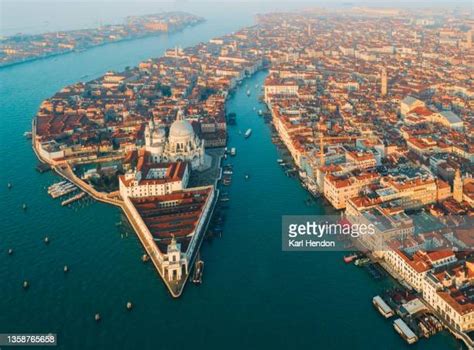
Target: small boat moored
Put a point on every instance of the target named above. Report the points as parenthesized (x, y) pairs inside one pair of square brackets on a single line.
[(361, 262), (350, 258), (198, 269)]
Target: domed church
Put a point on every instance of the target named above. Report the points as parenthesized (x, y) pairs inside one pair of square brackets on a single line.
[(181, 145)]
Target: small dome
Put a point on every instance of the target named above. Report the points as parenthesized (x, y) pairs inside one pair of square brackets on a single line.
[(159, 133), (181, 128)]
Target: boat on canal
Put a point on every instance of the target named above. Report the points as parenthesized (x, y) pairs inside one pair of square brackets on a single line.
[(361, 262), (350, 258), (198, 270)]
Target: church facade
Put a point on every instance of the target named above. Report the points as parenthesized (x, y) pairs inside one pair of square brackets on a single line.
[(181, 145)]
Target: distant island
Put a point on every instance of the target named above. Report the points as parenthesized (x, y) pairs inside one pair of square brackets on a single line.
[(21, 48)]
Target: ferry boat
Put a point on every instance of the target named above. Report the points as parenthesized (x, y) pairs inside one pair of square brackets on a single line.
[(405, 331), (248, 133), (232, 151), (382, 307)]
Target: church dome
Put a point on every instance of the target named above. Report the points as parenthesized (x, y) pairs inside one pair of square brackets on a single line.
[(159, 133), (181, 128)]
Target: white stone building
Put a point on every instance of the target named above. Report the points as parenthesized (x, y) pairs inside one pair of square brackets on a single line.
[(181, 145)]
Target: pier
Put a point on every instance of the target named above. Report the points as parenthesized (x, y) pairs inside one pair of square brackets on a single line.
[(73, 199)]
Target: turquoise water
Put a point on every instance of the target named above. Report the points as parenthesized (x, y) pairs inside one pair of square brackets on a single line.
[(253, 295)]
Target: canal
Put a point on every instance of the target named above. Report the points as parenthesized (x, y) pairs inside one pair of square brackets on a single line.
[(253, 294)]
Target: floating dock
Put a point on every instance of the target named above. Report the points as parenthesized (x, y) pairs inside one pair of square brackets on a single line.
[(73, 199), (385, 310), (405, 331)]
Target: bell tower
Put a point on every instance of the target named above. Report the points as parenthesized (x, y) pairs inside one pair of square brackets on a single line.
[(458, 187)]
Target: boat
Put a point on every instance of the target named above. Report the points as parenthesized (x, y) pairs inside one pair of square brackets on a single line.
[(27, 134), (198, 269), (260, 112), (63, 190), (313, 189), (361, 261), (232, 151), (382, 307), (279, 160), (56, 186), (350, 258), (248, 133), (228, 172), (248, 92), (405, 331)]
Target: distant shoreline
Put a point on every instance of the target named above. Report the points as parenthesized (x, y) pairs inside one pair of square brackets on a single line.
[(82, 49), (38, 58)]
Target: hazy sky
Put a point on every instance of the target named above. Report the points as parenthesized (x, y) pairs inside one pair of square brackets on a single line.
[(38, 16)]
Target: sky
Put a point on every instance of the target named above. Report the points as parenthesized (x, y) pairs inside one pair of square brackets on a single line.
[(39, 16)]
